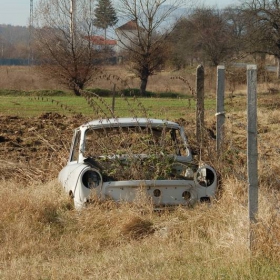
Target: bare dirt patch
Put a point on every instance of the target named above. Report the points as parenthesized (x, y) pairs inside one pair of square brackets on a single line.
[(35, 148)]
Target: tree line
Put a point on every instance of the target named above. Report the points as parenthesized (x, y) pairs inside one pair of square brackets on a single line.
[(159, 36)]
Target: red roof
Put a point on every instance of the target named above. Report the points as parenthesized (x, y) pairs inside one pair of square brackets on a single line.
[(99, 41), (131, 25)]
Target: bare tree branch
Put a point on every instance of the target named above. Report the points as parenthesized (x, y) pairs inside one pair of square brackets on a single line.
[(144, 43), (65, 50)]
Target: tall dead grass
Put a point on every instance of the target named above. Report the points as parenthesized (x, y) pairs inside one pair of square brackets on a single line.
[(25, 78), (42, 237), (30, 78)]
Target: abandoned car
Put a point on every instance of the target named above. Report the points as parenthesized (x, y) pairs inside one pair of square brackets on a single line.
[(119, 158)]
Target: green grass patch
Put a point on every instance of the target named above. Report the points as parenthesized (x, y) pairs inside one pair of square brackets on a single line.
[(164, 108), (166, 105)]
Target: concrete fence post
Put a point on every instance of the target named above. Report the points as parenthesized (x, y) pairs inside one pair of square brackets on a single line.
[(252, 149), (220, 111), (114, 99), (199, 103)]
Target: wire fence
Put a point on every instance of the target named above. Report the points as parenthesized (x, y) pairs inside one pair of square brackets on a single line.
[(268, 149)]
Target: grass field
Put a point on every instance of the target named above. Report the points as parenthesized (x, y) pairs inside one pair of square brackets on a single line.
[(42, 237), (164, 108)]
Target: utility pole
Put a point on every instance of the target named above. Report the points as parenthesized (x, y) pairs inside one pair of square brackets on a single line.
[(72, 20), (31, 12), (30, 59)]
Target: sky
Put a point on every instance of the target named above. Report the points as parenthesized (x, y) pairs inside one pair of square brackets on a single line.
[(16, 12)]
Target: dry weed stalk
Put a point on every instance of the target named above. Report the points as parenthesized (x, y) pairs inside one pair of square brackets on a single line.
[(185, 81)]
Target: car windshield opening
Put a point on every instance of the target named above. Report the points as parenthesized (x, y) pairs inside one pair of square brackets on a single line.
[(134, 140)]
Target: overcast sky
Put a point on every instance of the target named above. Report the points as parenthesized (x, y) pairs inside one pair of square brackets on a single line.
[(16, 12)]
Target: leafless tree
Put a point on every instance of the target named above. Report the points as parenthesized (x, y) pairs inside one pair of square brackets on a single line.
[(262, 26), (143, 37), (206, 35), (62, 34)]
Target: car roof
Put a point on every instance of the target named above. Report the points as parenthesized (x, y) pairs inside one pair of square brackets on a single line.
[(128, 122)]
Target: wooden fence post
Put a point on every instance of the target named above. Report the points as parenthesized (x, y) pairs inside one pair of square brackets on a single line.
[(199, 103), (252, 149), (220, 111)]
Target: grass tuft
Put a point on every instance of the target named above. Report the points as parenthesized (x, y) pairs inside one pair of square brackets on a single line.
[(137, 228)]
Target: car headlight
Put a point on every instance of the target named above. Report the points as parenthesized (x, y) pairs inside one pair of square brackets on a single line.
[(91, 179), (205, 176)]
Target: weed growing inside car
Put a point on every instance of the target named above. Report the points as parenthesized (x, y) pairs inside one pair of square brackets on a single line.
[(134, 153)]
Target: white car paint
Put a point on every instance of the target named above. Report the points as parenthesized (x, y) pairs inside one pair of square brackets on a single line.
[(80, 178)]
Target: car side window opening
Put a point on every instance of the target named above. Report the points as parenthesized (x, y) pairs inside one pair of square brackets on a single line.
[(180, 144), (75, 147), (175, 141)]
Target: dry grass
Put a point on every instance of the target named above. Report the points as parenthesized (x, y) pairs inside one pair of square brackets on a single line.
[(42, 237), (29, 78), (25, 78)]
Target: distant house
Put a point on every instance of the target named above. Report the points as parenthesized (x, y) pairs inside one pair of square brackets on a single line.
[(125, 33), (99, 42)]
